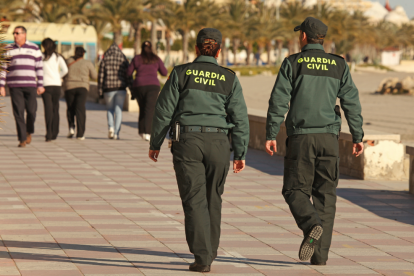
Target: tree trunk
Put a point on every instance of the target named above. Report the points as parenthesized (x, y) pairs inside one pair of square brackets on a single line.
[(269, 48), (118, 37), (131, 35), (235, 47), (185, 46), (154, 35), (223, 52), (261, 47), (98, 47), (249, 52), (137, 42), (296, 47), (167, 47), (279, 46)]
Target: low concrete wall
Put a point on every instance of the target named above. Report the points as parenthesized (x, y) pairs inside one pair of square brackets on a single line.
[(383, 157), (410, 152)]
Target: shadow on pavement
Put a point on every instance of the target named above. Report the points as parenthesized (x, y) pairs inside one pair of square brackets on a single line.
[(13, 247), (263, 162), (131, 124), (393, 205)]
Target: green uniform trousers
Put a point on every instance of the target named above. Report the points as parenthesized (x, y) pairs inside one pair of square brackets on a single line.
[(201, 163), (312, 170)]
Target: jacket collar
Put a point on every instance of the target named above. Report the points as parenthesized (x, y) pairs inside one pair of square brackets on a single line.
[(313, 47), (206, 59)]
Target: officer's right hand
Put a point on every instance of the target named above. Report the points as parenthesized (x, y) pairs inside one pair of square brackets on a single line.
[(2, 91), (269, 145), (358, 149), (153, 155), (238, 165)]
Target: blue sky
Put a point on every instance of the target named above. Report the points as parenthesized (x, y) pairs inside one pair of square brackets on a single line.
[(408, 5)]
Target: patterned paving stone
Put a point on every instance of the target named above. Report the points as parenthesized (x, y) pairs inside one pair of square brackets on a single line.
[(100, 207)]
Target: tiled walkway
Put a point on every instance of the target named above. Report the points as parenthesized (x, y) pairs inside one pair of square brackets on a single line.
[(101, 207)]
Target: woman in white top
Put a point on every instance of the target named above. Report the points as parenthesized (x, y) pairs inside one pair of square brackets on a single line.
[(54, 68)]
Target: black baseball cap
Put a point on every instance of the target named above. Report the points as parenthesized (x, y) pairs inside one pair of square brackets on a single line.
[(209, 33), (312, 27)]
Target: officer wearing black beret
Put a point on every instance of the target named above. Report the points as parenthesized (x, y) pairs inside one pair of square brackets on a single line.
[(201, 102), (311, 81)]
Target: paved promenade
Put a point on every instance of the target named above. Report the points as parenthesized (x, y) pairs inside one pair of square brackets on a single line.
[(100, 207)]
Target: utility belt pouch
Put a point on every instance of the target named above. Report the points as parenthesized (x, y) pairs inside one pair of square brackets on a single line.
[(176, 137)]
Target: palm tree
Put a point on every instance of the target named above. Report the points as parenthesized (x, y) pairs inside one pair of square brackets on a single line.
[(11, 8), (293, 15), (239, 15), (115, 11), (2, 58), (191, 15)]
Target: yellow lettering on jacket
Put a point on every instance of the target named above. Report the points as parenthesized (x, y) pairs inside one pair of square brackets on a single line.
[(223, 78), (188, 72), (196, 80)]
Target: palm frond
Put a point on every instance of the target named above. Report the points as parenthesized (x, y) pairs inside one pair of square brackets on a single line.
[(3, 62)]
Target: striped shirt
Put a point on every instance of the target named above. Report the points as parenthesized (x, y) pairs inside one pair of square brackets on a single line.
[(24, 67)]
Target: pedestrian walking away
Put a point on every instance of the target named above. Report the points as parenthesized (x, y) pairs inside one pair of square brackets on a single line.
[(195, 101), (54, 69), (76, 91), (146, 85), (113, 81), (311, 81), (24, 77)]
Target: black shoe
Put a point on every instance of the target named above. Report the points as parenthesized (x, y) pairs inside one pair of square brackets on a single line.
[(199, 268), (315, 263), (308, 245)]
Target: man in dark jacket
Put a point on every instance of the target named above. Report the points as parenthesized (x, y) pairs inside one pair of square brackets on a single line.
[(112, 84), (312, 81), (196, 100)]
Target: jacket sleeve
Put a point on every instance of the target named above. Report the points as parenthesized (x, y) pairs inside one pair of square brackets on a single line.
[(237, 111), (125, 66), (164, 111), (101, 75), (349, 97), (161, 68), (92, 71), (131, 67), (279, 100), (63, 68), (39, 67)]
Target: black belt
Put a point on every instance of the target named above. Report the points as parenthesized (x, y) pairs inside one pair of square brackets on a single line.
[(184, 129)]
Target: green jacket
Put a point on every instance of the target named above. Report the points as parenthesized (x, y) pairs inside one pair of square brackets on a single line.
[(202, 93), (311, 81)]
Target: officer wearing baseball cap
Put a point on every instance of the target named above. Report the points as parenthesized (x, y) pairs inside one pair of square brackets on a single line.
[(201, 102), (311, 81)]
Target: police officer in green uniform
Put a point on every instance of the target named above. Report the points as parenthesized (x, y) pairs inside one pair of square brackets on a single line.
[(311, 81), (202, 101)]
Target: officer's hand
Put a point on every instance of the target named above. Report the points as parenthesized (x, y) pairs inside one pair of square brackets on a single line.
[(3, 91), (358, 149), (153, 155), (269, 145), (238, 165)]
